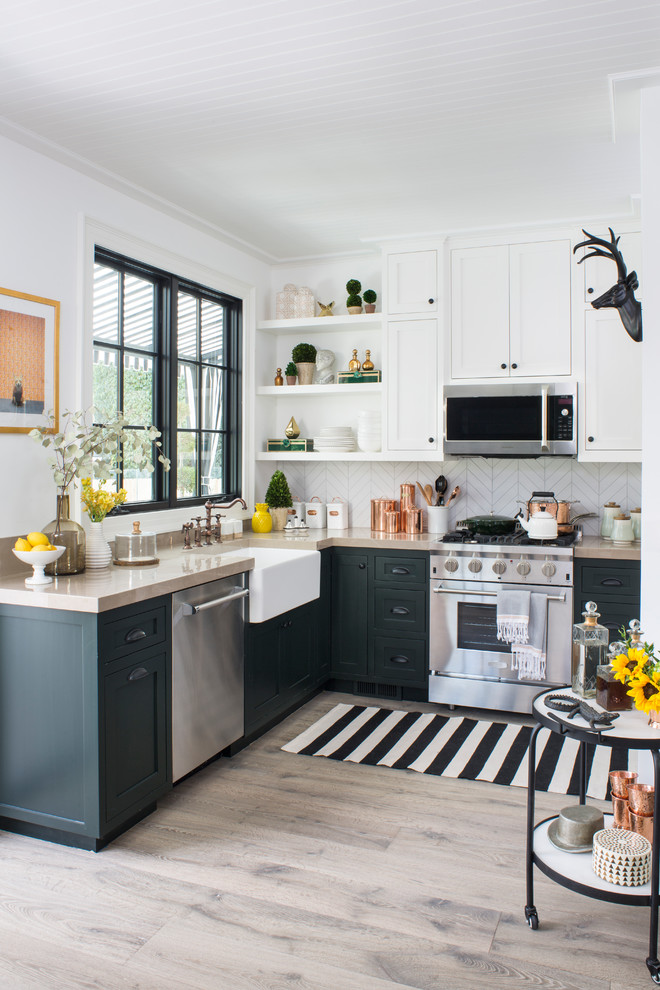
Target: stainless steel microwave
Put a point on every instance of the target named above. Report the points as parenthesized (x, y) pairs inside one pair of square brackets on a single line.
[(510, 420)]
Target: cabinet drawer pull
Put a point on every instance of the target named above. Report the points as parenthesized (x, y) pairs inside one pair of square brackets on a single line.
[(612, 583), (400, 570), (138, 674), (400, 659), (400, 610), (133, 635)]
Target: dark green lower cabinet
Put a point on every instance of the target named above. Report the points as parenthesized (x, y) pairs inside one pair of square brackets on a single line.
[(613, 585), (380, 622), (84, 741)]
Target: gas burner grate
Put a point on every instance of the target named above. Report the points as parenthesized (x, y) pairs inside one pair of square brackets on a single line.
[(517, 539)]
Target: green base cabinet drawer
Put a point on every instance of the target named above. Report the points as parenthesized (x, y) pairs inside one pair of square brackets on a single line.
[(137, 629), (401, 570), (400, 610), (614, 580), (400, 660)]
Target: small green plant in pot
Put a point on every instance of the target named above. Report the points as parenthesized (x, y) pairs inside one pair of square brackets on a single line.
[(291, 373), (278, 499), (304, 357), (354, 301), (369, 297)]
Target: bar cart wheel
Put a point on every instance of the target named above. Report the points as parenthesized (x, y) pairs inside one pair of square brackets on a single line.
[(654, 969), (532, 918)]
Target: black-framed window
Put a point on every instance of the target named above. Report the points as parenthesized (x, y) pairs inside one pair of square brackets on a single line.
[(168, 351)]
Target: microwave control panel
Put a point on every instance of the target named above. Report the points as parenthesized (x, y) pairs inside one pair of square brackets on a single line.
[(561, 417)]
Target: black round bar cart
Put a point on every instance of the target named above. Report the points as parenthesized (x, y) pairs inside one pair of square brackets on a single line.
[(574, 870)]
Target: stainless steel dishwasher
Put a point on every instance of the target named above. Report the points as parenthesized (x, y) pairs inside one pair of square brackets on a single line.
[(207, 671)]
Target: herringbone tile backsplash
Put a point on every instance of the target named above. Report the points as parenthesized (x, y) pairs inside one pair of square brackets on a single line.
[(487, 484)]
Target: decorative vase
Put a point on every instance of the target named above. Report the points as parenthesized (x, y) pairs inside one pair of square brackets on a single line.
[(97, 552), (354, 310), (306, 371), (66, 532), (370, 307), (291, 379), (262, 521), (279, 515)]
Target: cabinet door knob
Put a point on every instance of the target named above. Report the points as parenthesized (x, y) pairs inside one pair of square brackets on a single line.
[(138, 674), (362, 566), (133, 635), (503, 366), (514, 365), (590, 439), (431, 439), (590, 290), (431, 301)]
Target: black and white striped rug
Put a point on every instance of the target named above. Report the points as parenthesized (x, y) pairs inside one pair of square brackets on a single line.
[(466, 748)]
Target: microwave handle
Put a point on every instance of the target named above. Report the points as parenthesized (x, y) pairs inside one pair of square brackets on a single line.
[(544, 419)]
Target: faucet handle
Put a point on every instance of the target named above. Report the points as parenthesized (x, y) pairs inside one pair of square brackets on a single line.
[(185, 529)]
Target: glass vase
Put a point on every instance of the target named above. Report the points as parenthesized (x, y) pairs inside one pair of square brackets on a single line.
[(590, 641), (66, 532), (97, 552)]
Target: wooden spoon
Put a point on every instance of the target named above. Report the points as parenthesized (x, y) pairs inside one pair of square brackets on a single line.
[(428, 491), (423, 491)]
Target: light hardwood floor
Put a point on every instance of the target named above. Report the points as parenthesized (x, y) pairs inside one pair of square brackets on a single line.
[(272, 871)]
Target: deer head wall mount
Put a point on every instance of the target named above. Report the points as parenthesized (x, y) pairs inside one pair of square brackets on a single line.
[(622, 295)]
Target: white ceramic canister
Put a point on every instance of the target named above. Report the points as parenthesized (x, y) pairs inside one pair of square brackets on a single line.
[(610, 510), (636, 520), (315, 513), (337, 514), (622, 530)]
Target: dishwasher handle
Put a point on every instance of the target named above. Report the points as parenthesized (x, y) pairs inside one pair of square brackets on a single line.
[(189, 609)]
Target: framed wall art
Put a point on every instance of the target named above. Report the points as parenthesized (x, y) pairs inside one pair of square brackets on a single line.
[(29, 354)]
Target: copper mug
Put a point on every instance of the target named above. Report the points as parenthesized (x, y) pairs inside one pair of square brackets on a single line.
[(620, 780), (642, 824), (641, 798)]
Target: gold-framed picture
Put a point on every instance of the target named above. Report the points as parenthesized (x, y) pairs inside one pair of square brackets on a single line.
[(29, 356)]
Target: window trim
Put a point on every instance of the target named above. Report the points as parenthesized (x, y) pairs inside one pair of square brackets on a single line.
[(168, 285)]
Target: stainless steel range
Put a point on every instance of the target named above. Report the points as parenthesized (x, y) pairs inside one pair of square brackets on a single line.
[(468, 664)]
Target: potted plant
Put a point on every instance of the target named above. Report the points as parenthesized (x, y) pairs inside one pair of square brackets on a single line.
[(369, 301), (290, 373), (354, 301), (278, 499), (304, 357)]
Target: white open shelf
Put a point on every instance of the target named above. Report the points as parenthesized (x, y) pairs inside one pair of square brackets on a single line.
[(317, 455), (296, 391), (322, 324)]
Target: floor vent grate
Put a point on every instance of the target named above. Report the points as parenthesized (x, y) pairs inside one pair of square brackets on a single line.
[(376, 690)]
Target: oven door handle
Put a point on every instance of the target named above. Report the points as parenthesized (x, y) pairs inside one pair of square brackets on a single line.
[(491, 594)]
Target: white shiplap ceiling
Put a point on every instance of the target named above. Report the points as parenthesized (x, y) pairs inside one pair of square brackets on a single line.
[(302, 127)]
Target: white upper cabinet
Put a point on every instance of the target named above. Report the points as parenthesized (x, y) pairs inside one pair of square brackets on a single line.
[(600, 274), (511, 310), (612, 420), (413, 392), (412, 282)]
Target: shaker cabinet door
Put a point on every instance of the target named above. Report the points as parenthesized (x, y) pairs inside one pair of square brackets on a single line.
[(413, 386), (613, 385), (480, 312), (412, 282)]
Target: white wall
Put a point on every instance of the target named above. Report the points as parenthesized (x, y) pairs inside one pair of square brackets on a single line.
[(650, 161), (44, 206), (327, 279)]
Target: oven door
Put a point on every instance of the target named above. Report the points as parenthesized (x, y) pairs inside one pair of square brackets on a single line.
[(463, 640)]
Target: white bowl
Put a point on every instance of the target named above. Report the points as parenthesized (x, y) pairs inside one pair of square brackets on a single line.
[(39, 559)]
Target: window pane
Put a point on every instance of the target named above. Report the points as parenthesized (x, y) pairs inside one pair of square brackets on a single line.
[(212, 405), (106, 304), (186, 465), (138, 313), (212, 474), (186, 326), (212, 330), (186, 397), (138, 482), (105, 387), (138, 390)]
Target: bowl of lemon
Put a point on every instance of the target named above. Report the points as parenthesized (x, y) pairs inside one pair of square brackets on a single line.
[(37, 550)]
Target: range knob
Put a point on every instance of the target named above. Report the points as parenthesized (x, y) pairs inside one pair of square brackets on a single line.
[(523, 567), (499, 566), (548, 569), (451, 564), (475, 565)]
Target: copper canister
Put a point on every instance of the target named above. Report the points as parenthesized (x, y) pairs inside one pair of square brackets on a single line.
[(391, 522), (379, 506), (411, 520)]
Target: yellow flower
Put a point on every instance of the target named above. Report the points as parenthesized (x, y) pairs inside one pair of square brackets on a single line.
[(645, 693), (626, 665)]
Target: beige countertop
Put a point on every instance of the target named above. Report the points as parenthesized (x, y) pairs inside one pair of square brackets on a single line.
[(112, 587)]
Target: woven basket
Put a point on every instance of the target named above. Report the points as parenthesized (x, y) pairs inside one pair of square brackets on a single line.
[(621, 857)]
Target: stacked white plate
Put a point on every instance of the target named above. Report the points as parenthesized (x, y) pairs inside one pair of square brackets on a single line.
[(369, 430), (335, 438)]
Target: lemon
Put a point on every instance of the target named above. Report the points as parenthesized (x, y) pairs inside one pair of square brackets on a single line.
[(22, 544), (37, 539), (42, 546)]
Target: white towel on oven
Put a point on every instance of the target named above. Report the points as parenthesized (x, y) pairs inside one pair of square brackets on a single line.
[(513, 616), (529, 658)]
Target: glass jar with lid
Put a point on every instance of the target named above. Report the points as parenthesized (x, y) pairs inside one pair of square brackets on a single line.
[(611, 693), (590, 641)]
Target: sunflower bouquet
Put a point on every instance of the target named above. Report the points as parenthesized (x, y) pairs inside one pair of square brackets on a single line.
[(635, 664), (97, 502)]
